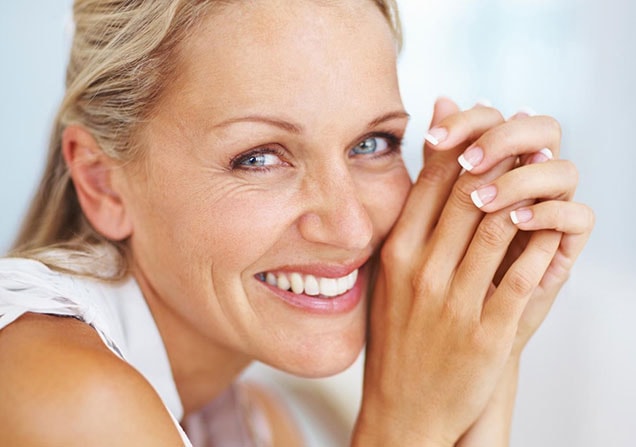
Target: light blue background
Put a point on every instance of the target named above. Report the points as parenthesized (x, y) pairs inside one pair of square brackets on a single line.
[(575, 60)]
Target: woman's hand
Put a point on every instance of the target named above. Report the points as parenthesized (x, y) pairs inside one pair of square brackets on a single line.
[(450, 305), (553, 184)]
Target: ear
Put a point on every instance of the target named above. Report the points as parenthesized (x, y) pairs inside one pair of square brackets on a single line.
[(93, 174)]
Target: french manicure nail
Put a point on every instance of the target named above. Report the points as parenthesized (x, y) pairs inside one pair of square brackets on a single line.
[(484, 102), (521, 215), (527, 111), (543, 155), (471, 158), (547, 152), (523, 112), (436, 135), (483, 196)]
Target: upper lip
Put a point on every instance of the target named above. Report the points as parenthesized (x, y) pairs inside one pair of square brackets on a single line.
[(323, 269)]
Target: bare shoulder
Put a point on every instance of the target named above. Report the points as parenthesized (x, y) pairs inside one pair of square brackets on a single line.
[(59, 385), (283, 430)]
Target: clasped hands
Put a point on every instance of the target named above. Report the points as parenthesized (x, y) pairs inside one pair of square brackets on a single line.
[(468, 273)]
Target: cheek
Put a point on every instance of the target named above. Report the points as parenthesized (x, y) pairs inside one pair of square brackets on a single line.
[(246, 226), (225, 226), (384, 198), (189, 227)]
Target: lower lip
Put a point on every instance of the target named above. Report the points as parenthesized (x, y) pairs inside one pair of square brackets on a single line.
[(340, 304)]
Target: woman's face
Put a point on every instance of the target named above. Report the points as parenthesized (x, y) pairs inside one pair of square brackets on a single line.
[(272, 174)]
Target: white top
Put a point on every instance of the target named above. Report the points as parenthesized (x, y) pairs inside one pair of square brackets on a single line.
[(117, 311)]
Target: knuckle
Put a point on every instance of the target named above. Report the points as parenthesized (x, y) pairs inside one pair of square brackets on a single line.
[(497, 115), (461, 192), (501, 139), (520, 283), (393, 253), (571, 171), (490, 114), (590, 217), (425, 284), (436, 173), (546, 247), (422, 286), (481, 121), (554, 127), (451, 312), (461, 120), (493, 231), (558, 215)]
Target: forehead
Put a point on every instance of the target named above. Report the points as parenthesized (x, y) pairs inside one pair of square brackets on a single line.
[(299, 57)]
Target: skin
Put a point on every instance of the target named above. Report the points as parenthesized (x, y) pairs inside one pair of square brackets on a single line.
[(459, 291)]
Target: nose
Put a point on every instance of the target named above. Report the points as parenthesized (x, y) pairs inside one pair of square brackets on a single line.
[(334, 213)]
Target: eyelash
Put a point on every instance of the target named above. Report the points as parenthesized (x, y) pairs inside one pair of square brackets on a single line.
[(394, 143), (235, 163)]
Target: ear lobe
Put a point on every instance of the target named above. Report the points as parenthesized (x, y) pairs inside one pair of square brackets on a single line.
[(92, 174)]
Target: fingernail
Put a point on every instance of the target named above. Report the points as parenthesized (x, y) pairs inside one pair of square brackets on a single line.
[(471, 158), (542, 156), (484, 195), (529, 111), (523, 112), (484, 102), (521, 215), (436, 135)]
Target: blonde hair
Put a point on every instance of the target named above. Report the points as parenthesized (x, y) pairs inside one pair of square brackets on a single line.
[(122, 57)]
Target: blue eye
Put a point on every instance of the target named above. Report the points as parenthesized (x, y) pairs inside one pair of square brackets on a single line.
[(258, 160), (371, 145)]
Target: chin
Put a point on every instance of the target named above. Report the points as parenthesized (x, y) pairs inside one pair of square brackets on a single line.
[(323, 358)]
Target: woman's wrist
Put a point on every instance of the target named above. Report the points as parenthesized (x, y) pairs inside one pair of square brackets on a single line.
[(376, 428), (492, 428), (381, 438)]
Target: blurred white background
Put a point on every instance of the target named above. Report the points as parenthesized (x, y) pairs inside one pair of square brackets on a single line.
[(572, 59)]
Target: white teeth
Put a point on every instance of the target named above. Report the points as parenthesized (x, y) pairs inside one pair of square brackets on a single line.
[(329, 287), (283, 282), (297, 284), (353, 277), (342, 284), (312, 285), (271, 279)]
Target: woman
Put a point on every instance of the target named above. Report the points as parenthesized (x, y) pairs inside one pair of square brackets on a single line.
[(221, 180)]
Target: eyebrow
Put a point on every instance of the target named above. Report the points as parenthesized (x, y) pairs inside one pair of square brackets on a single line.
[(298, 129)]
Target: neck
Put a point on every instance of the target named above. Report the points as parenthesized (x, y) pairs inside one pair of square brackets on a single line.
[(201, 367), (201, 374)]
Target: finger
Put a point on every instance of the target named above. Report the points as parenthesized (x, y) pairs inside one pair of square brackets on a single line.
[(464, 126), (556, 179), (559, 271), (430, 191), (443, 109), (563, 216), (513, 138), (458, 222), (574, 220), (504, 308), (482, 260)]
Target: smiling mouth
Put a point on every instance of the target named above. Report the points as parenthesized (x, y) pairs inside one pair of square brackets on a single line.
[(309, 284)]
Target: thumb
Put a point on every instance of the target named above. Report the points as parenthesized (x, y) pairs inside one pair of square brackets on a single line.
[(444, 107)]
